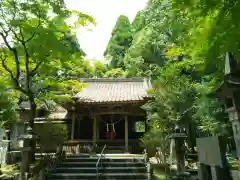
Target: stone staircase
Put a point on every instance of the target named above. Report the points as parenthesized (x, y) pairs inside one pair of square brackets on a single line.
[(114, 167)]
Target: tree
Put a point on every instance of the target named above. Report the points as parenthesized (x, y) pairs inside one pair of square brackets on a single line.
[(150, 39), (119, 42), (8, 106), (177, 96), (35, 47), (212, 29), (99, 69), (116, 73)]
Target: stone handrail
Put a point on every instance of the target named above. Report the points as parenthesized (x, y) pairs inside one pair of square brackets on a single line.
[(145, 156)]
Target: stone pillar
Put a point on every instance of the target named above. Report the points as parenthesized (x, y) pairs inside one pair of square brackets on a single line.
[(172, 157), (94, 131), (73, 125), (180, 152), (126, 133)]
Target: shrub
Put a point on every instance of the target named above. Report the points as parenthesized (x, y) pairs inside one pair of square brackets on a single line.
[(51, 135), (154, 139)]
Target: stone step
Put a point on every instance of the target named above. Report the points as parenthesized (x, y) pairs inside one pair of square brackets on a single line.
[(81, 176), (112, 167), (108, 164), (122, 155), (101, 170), (95, 159)]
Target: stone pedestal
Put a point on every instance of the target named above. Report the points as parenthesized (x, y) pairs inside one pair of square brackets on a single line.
[(24, 166)]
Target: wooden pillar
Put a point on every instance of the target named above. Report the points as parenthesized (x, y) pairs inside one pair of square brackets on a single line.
[(98, 123), (73, 125), (94, 131), (79, 127), (126, 133)]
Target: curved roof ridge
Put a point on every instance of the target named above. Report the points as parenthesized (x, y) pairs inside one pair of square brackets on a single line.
[(99, 90), (112, 79)]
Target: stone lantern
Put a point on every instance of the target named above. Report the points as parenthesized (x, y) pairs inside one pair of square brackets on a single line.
[(179, 136), (230, 92), (24, 143)]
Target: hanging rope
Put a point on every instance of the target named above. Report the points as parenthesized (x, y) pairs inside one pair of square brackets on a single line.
[(111, 132), (113, 128), (111, 124)]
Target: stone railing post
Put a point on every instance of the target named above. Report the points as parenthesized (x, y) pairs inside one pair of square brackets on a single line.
[(149, 170)]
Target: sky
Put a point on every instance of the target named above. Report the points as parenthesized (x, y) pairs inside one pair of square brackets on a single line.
[(93, 40)]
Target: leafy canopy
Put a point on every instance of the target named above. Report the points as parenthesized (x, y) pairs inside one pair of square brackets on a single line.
[(38, 43), (119, 42)]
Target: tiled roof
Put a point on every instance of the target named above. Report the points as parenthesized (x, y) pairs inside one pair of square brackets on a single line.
[(100, 90)]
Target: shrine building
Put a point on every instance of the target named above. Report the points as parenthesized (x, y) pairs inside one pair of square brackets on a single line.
[(108, 111)]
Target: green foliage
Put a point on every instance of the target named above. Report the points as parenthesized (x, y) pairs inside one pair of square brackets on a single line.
[(119, 42), (140, 126), (211, 116), (212, 30), (51, 135), (116, 73), (38, 43), (99, 69), (181, 46), (171, 44), (8, 106), (177, 96), (156, 138), (150, 38)]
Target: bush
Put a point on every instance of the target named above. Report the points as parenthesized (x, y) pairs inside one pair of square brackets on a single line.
[(51, 135), (155, 139)]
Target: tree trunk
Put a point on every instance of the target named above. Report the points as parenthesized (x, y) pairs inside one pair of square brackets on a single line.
[(33, 108), (192, 137)]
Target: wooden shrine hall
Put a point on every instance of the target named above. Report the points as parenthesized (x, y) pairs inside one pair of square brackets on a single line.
[(108, 111)]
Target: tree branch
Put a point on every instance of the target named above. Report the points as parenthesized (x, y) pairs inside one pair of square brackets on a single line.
[(34, 70), (186, 111), (34, 33), (29, 73), (15, 54), (16, 82)]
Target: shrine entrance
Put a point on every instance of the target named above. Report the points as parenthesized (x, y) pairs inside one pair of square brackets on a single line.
[(111, 127)]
